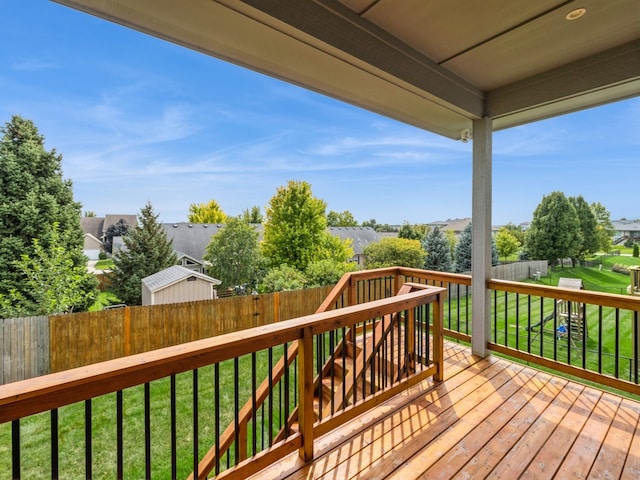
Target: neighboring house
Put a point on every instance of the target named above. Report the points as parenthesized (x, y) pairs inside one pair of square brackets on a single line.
[(177, 284), (95, 229), (625, 229), (360, 237), (456, 225), (190, 240), (92, 247)]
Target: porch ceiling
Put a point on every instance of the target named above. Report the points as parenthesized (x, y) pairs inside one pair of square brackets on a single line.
[(432, 64)]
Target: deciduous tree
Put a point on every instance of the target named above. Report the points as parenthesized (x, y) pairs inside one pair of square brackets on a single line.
[(147, 250), (588, 228), (506, 243), (604, 227), (234, 255), (413, 231), (209, 212), (341, 219), (295, 227), (395, 252), (555, 230), (57, 285)]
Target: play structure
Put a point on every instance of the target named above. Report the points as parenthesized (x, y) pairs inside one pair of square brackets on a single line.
[(634, 288), (570, 316)]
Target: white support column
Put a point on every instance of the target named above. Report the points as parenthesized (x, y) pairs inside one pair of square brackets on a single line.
[(481, 231)]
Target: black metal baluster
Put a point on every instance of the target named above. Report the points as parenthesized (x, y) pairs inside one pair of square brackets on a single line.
[(88, 463), (119, 434), (600, 339), (333, 371), (617, 345), (216, 402), (54, 444), (270, 362), (147, 429), (15, 449), (196, 456), (517, 321), (636, 346), (506, 319), (286, 393), (254, 379), (174, 429), (236, 407)]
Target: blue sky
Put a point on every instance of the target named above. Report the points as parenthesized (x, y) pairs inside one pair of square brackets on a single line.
[(137, 119)]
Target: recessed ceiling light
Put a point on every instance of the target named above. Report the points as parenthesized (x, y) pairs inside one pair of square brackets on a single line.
[(575, 14)]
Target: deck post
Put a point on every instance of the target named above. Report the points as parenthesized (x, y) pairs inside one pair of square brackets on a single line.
[(306, 393), (481, 234)]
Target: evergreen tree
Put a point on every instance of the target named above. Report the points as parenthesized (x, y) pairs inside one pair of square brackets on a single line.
[(33, 198), (252, 215), (438, 251), (555, 230), (462, 253), (146, 251)]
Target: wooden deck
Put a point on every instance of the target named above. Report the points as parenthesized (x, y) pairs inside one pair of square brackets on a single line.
[(490, 418)]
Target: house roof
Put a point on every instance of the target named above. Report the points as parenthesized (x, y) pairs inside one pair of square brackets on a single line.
[(360, 236), (191, 239), (111, 219), (626, 225), (92, 226), (434, 65), (97, 226), (172, 275)]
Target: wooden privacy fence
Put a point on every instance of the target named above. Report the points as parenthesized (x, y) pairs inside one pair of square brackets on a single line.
[(39, 345), (24, 348)]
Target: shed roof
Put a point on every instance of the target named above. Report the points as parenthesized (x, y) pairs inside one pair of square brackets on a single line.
[(172, 275)]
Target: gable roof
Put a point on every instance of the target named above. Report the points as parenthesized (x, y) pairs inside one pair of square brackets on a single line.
[(97, 226), (360, 236), (92, 226), (191, 239), (172, 275)]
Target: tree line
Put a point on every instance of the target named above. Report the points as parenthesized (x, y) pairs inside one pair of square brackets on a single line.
[(43, 268)]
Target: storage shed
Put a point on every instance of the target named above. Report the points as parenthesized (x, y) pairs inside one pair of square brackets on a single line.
[(177, 284)]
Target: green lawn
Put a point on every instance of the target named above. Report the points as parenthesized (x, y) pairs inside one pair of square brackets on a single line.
[(106, 264), (35, 430)]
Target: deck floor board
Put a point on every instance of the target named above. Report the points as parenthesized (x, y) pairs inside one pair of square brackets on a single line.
[(489, 418)]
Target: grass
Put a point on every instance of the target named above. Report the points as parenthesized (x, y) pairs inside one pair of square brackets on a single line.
[(35, 430), (106, 264)]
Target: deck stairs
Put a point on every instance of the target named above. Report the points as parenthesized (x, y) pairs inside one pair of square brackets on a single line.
[(343, 379)]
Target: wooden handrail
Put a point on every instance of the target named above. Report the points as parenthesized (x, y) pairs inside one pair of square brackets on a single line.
[(35, 395), (613, 300)]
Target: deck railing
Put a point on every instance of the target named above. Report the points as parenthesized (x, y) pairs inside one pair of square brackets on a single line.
[(143, 415), (591, 335), (183, 397)]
